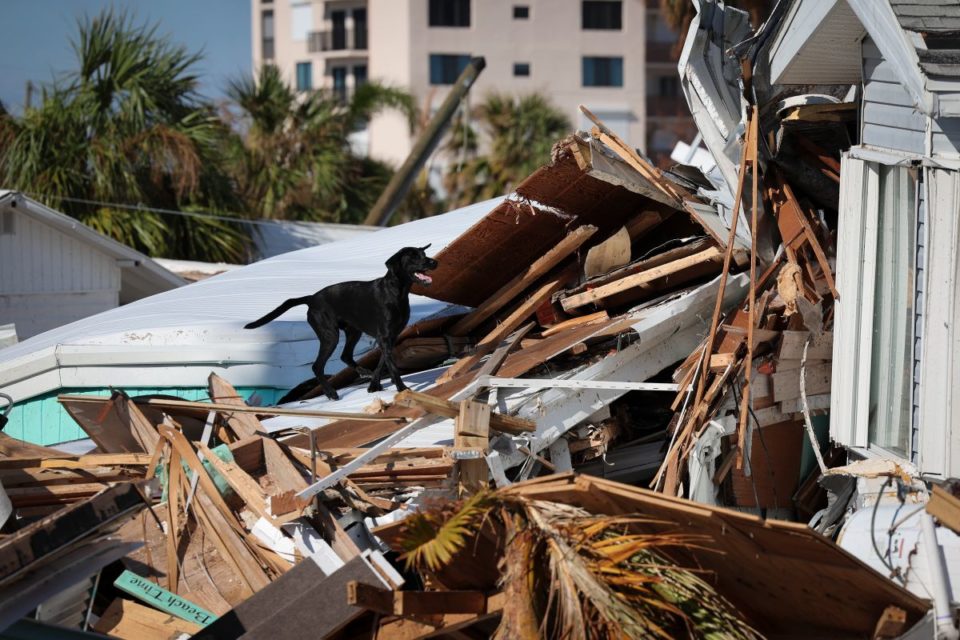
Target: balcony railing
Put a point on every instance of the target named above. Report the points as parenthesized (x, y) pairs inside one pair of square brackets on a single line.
[(667, 106), (337, 40)]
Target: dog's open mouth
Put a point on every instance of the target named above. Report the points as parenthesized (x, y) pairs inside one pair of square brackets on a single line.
[(423, 278)]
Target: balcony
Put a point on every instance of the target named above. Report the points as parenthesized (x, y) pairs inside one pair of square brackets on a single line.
[(667, 107), (337, 40)]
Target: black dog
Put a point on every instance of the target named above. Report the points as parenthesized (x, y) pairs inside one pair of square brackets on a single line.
[(378, 308)]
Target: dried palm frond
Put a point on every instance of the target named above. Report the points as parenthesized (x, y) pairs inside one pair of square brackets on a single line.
[(570, 575)]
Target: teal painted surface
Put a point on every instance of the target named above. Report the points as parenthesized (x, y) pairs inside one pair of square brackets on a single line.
[(164, 600), (42, 420)]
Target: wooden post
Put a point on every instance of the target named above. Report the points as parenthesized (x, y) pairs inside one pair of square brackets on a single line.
[(473, 439)]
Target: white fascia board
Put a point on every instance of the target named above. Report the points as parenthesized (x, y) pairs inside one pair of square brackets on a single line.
[(668, 333), (881, 23), (252, 375), (802, 20)]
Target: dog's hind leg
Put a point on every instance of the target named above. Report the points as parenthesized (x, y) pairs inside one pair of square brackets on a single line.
[(326, 329), (386, 359), (353, 336)]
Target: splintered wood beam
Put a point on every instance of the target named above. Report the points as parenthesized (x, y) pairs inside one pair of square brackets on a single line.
[(89, 461), (414, 603), (570, 243), (501, 331), (599, 316), (226, 408), (639, 279), (448, 409), (243, 424), (946, 508)]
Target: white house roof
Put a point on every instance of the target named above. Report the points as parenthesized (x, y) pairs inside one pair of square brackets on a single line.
[(176, 338), (282, 236), (139, 275)]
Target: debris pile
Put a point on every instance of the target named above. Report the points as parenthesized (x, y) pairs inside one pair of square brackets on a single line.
[(615, 430)]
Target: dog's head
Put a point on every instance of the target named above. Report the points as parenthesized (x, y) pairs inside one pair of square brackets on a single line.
[(411, 264)]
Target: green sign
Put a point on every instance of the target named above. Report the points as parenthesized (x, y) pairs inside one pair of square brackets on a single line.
[(157, 596)]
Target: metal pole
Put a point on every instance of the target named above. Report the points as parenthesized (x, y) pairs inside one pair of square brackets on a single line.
[(400, 183)]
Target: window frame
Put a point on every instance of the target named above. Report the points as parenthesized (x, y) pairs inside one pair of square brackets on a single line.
[(597, 77), (518, 8), (449, 14), (463, 59), (264, 40), (308, 65), (599, 16), (521, 66)]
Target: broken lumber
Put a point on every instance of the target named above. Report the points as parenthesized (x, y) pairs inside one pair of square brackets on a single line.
[(415, 603), (448, 409)]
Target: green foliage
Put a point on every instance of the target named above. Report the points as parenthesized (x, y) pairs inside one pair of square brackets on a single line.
[(291, 157), (517, 134), (432, 537), (126, 126)]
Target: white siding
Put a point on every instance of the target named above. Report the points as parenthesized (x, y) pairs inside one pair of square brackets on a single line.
[(39, 259), (940, 380), (35, 313), (889, 119), (819, 45)]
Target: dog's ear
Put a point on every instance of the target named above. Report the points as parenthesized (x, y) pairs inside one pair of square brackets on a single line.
[(395, 262), (426, 246)]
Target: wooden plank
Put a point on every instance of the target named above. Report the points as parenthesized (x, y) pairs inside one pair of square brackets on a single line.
[(215, 406), (599, 316), (370, 597), (821, 346), (246, 487), (497, 357), (720, 361), (218, 518), (945, 507), (570, 243), (175, 481), (504, 329), (88, 461), (128, 620), (891, 624), (608, 255), (222, 392), (158, 597), (639, 279), (472, 435), (415, 603), (786, 384), (448, 409)]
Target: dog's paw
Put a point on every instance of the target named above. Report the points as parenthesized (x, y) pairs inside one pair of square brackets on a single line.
[(375, 386), (333, 395)]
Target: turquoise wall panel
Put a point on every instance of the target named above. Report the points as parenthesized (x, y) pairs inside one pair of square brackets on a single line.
[(42, 420)]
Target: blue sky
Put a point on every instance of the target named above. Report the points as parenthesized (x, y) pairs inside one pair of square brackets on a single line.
[(37, 35)]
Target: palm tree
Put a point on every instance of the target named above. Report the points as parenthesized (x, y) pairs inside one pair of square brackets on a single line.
[(518, 133), (127, 127), (292, 156)]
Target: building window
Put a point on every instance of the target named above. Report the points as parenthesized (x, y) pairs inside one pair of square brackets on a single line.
[(301, 21), (449, 13), (521, 12), (602, 14), (359, 75), (304, 76), (359, 28), (446, 68), (602, 72), (891, 373), (266, 34), (521, 69), (339, 81), (338, 35)]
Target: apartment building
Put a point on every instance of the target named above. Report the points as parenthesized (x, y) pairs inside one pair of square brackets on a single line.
[(611, 55)]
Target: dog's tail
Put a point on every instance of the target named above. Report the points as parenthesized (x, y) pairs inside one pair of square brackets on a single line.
[(279, 311)]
